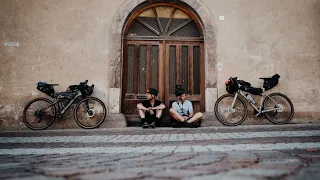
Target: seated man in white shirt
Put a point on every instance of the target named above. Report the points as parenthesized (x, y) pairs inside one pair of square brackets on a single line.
[(182, 112)]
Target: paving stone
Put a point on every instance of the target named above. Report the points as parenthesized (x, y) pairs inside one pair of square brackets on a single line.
[(214, 136), (242, 155), (152, 156), (149, 137), (310, 172), (165, 149), (165, 137), (124, 138), (223, 135), (108, 175), (189, 137), (177, 174), (17, 174), (206, 136), (173, 137), (222, 176), (199, 148), (182, 137), (183, 149), (222, 165), (143, 171), (68, 171), (38, 177), (198, 136), (259, 172), (218, 148)]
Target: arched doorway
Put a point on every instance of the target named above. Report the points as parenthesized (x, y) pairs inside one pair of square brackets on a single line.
[(162, 47)]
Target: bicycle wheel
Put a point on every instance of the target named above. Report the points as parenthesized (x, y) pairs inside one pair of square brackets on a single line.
[(283, 108), (39, 113), (227, 115), (90, 112)]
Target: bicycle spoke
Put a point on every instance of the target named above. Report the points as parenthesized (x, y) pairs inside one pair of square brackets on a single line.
[(230, 115), (39, 114), (283, 108), (90, 113)]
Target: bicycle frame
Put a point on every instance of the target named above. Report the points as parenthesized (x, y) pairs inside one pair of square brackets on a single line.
[(61, 113), (260, 106)]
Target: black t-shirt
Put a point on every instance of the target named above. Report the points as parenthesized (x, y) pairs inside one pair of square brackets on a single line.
[(147, 103)]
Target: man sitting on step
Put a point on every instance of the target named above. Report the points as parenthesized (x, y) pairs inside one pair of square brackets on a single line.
[(150, 110), (182, 112)]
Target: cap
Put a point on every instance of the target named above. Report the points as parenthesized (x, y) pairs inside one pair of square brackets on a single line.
[(152, 91), (179, 92)]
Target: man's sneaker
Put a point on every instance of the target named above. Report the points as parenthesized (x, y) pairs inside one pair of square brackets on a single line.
[(153, 125), (176, 124), (145, 125), (195, 124), (186, 124)]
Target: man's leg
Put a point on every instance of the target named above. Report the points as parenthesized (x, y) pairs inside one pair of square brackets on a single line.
[(144, 121), (176, 115), (181, 121), (195, 118), (159, 113), (159, 117)]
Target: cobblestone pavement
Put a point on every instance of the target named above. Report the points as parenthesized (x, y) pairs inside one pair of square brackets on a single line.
[(243, 152)]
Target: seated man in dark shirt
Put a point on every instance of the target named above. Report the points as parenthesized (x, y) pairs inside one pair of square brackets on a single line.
[(151, 109)]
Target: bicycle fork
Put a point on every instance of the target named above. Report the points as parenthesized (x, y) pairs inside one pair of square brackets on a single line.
[(90, 112), (231, 109)]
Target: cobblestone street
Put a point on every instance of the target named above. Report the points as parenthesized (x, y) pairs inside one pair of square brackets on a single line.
[(243, 152)]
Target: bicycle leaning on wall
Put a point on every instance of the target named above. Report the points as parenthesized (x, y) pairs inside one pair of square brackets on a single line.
[(231, 109), (40, 113)]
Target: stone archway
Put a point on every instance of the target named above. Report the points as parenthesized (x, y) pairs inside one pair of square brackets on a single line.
[(115, 52)]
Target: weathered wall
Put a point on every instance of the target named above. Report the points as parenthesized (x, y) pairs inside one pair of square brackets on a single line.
[(67, 41), (61, 42), (260, 38)]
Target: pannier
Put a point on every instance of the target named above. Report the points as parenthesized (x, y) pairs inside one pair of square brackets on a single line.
[(72, 88), (244, 83), (66, 95), (252, 90), (85, 89), (46, 88), (269, 83), (232, 85)]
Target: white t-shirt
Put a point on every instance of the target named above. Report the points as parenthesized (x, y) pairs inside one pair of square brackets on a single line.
[(184, 108)]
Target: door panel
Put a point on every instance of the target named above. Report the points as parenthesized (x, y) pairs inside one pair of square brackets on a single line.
[(183, 60), (140, 72)]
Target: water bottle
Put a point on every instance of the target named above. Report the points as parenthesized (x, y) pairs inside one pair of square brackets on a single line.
[(250, 98)]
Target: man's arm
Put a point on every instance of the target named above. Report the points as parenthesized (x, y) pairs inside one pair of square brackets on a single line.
[(141, 107), (190, 109), (160, 107)]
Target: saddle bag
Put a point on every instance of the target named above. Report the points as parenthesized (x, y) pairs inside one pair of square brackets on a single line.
[(45, 88)]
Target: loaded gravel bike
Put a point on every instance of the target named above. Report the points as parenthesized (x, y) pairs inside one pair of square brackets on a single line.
[(40, 113), (231, 109)]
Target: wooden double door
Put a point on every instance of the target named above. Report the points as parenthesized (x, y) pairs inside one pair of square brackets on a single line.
[(162, 65)]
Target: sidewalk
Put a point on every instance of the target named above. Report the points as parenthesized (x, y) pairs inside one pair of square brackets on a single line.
[(242, 152)]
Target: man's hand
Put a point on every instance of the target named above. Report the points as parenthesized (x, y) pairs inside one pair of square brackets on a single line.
[(185, 117), (150, 111)]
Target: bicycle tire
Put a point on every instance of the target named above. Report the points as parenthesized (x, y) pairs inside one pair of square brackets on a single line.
[(27, 106), (230, 97), (269, 114), (98, 122)]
